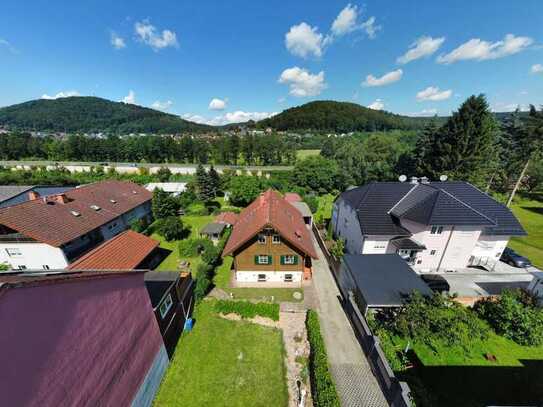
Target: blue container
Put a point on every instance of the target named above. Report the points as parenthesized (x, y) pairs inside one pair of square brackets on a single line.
[(188, 325)]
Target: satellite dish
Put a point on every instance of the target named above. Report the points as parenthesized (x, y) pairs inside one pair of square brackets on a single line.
[(402, 178), (443, 178)]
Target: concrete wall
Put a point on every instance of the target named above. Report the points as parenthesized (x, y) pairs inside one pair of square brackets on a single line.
[(490, 246), (346, 226), (35, 256), (78, 343)]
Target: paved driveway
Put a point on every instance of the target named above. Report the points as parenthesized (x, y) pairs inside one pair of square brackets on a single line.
[(355, 382)]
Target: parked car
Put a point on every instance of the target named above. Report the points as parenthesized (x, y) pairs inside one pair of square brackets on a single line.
[(514, 259), (436, 282)]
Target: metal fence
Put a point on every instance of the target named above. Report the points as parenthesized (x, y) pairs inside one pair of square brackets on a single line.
[(396, 392)]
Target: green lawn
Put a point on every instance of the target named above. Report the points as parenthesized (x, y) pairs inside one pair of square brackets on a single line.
[(301, 154), (530, 214), (222, 280), (225, 363), (171, 262)]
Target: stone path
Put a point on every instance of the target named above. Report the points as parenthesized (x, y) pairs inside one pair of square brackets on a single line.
[(292, 323), (355, 382)]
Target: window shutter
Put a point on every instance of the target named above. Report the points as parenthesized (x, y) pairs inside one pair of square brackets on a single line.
[(295, 260), (256, 260), (282, 260), (269, 259)]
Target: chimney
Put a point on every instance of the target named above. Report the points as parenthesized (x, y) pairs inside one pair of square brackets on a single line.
[(414, 180), (32, 195), (424, 180), (60, 198)]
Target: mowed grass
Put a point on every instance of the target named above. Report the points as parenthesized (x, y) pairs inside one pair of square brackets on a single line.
[(507, 352), (222, 280), (225, 363), (530, 215), (171, 262), (301, 154)]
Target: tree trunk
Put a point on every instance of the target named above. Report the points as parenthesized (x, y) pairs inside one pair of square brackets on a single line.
[(490, 182), (517, 184)]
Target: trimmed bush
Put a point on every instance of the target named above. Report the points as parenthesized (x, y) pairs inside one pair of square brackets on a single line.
[(246, 309), (193, 247), (322, 386), (202, 286), (171, 228)]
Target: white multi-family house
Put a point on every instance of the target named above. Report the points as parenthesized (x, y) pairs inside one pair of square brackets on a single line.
[(53, 231), (435, 226)]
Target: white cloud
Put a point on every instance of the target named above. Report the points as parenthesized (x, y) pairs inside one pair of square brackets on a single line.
[(434, 94), (303, 40), (377, 105), (238, 116), (386, 79), (422, 47), (130, 98), (63, 94), (302, 83), (147, 33), (370, 27), (345, 22), (217, 104), (509, 107), (158, 105), (480, 50), (424, 113), (537, 68), (117, 41), (8, 46)]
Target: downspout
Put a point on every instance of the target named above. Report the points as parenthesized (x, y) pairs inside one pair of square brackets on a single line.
[(445, 251)]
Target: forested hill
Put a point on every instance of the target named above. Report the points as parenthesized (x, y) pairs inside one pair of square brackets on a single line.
[(92, 114), (340, 117)]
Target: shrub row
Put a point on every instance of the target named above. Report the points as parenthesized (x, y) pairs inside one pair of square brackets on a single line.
[(322, 386), (514, 315), (246, 309)]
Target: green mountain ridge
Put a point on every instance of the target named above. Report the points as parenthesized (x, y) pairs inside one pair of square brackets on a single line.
[(93, 114)]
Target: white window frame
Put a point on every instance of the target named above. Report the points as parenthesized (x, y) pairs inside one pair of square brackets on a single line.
[(288, 278), (263, 256), (14, 252), (261, 238), (380, 245), (168, 302), (289, 259), (276, 239), (261, 278), (433, 252)]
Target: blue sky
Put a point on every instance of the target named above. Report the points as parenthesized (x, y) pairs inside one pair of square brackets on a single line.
[(260, 57)]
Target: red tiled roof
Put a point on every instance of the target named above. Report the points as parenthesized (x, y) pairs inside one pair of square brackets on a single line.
[(53, 222), (227, 217), (124, 252), (270, 209), (293, 197)]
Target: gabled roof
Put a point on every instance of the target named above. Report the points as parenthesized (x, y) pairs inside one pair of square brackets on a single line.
[(59, 219), (213, 227), (381, 206), (227, 217), (372, 203), (428, 205), (271, 209), (123, 252)]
